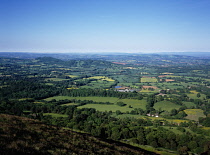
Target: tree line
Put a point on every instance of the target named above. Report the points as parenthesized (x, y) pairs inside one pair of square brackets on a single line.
[(101, 92)]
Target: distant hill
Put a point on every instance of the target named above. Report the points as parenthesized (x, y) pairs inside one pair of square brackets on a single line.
[(194, 54), (20, 135), (75, 63)]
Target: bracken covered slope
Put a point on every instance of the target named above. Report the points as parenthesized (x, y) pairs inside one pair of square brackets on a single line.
[(20, 135)]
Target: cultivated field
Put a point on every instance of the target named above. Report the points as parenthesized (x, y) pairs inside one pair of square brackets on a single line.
[(194, 114)]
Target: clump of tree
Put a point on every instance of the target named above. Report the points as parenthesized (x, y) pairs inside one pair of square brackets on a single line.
[(121, 104), (205, 121)]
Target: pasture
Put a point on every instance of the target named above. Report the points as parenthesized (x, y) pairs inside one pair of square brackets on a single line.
[(176, 121), (189, 104), (126, 79), (130, 102), (69, 104), (135, 103), (96, 99), (166, 105)]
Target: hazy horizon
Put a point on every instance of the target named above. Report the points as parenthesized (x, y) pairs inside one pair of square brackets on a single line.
[(110, 26)]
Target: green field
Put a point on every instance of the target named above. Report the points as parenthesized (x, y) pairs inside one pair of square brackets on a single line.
[(166, 85), (100, 107), (166, 105), (96, 99), (71, 76), (130, 102), (69, 104), (147, 91), (193, 95), (99, 84), (189, 104)]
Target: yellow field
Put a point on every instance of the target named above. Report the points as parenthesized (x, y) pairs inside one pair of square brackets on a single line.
[(104, 78), (194, 91), (146, 91), (206, 128), (72, 76), (148, 79), (167, 73), (149, 91), (71, 88), (177, 121), (23, 99), (193, 111)]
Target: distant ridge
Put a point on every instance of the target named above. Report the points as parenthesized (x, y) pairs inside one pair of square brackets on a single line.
[(101, 56)]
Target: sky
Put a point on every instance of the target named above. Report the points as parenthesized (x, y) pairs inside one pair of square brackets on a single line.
[(63, 26)]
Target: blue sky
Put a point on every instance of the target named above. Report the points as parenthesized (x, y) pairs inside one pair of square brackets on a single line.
[(104, 26)]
